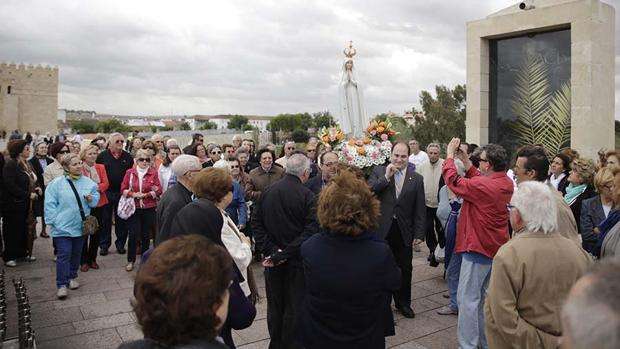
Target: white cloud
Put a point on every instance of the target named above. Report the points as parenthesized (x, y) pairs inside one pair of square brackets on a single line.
[(259, 57)]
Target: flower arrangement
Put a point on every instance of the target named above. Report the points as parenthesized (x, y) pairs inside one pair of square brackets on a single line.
[(365, 152), (332, 136), (381, 130)]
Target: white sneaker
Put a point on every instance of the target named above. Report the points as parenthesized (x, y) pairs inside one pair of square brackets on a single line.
[(62, 292), (31, 258), (10, 263), (129, 266), (73, 284)]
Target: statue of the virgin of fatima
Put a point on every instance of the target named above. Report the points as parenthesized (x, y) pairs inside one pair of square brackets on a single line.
[(352, 118)]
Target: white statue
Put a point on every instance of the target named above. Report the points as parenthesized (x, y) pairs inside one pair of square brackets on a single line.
[(352, 118)]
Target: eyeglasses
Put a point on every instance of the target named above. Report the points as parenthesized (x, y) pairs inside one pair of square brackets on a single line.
[(310, 150), (118, 141), (290, 148), (234, 166), (64, 152), (510, 206), (144, 160), (483, 160), (216, 152)]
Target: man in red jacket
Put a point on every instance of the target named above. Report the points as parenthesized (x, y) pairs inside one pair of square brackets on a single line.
[(481, 230)]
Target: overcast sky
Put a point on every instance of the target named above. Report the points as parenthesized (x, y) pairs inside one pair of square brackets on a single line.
[(243, 56)]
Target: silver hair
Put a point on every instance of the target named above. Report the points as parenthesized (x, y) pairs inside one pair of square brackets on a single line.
[(537, 206), (297, 164), (156, 136), (171, 141), (185, 163), (115, 134), (65, 160), (435, 145), (212, 146), (223, 164), (591, 314)]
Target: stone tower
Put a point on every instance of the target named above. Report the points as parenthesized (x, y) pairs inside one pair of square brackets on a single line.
[(28, 98)]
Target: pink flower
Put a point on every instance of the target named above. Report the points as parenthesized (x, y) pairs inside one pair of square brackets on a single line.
[(375, 155), (359, 142), (384, 137), (349, 158), (373, 132)]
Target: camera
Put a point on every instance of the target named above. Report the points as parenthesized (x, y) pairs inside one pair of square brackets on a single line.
[(526, 5)]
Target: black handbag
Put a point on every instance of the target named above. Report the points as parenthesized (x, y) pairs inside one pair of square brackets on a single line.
[(90, 225)]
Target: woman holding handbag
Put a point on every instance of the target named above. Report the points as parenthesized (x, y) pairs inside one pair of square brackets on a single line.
[(97, 173), (141, 183), (68, 200)]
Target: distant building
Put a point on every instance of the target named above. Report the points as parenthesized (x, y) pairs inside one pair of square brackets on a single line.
[(28, 98)]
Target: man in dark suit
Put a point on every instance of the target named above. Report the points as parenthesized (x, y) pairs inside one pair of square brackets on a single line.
[(329, 163), (403, 215), (284, 217)]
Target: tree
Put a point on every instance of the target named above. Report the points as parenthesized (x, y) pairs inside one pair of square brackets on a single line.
[(185, 126), (323, 119), (237, 122), (300, 135), (82, 126), (109, 126), (208, 125), (443, 117), (290, 122)]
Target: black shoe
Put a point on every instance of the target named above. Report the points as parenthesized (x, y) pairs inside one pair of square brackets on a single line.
[(406, 311), (121, 250), (433, 262), (103, 251)]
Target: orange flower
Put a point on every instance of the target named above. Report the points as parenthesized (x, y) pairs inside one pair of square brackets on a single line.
[(380, 129), (392, 132), (340, 136), (369, 128), (361, 150), (382, 124), (366, 140), (351, 142), (326, 139)]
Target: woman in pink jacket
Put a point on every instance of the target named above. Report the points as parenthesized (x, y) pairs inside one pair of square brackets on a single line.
[(142, 184)]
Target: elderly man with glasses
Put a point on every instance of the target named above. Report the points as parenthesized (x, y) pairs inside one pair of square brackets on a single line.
[(116, 161), (531, 274), (329, 162), (289, 149)]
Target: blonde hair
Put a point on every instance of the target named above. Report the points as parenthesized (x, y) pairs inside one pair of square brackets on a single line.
[(144, 152), (603, 177), (86, 149)]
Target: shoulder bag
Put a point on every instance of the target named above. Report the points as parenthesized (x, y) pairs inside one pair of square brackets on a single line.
[(90, 225)]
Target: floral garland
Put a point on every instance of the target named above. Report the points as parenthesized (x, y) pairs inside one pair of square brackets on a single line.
[(373, 149)]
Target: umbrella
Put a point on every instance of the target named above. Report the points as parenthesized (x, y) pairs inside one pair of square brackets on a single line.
[(31, 226)]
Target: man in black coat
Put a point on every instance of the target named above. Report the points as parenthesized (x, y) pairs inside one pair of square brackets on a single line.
[(116, 161), (403, 215), (329, 163), (284, 217), (177, 196)]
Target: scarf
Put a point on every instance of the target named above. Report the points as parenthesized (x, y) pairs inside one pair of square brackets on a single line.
[(604, 228), (91, 172), (72, 176), (572, 192)]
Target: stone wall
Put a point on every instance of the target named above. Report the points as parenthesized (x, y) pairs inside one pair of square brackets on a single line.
[(32, 102), (592, 25)]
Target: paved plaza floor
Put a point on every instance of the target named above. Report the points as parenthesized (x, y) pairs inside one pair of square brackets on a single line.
[(99, 315)]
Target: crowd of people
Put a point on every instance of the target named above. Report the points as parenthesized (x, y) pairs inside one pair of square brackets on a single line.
[(529, 243)]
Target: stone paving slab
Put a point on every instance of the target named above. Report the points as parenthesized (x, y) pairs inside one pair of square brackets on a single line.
[(99, 316)]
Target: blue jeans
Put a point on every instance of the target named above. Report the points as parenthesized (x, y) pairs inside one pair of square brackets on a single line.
[(473, 282), (453, 273), (69, 251)]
